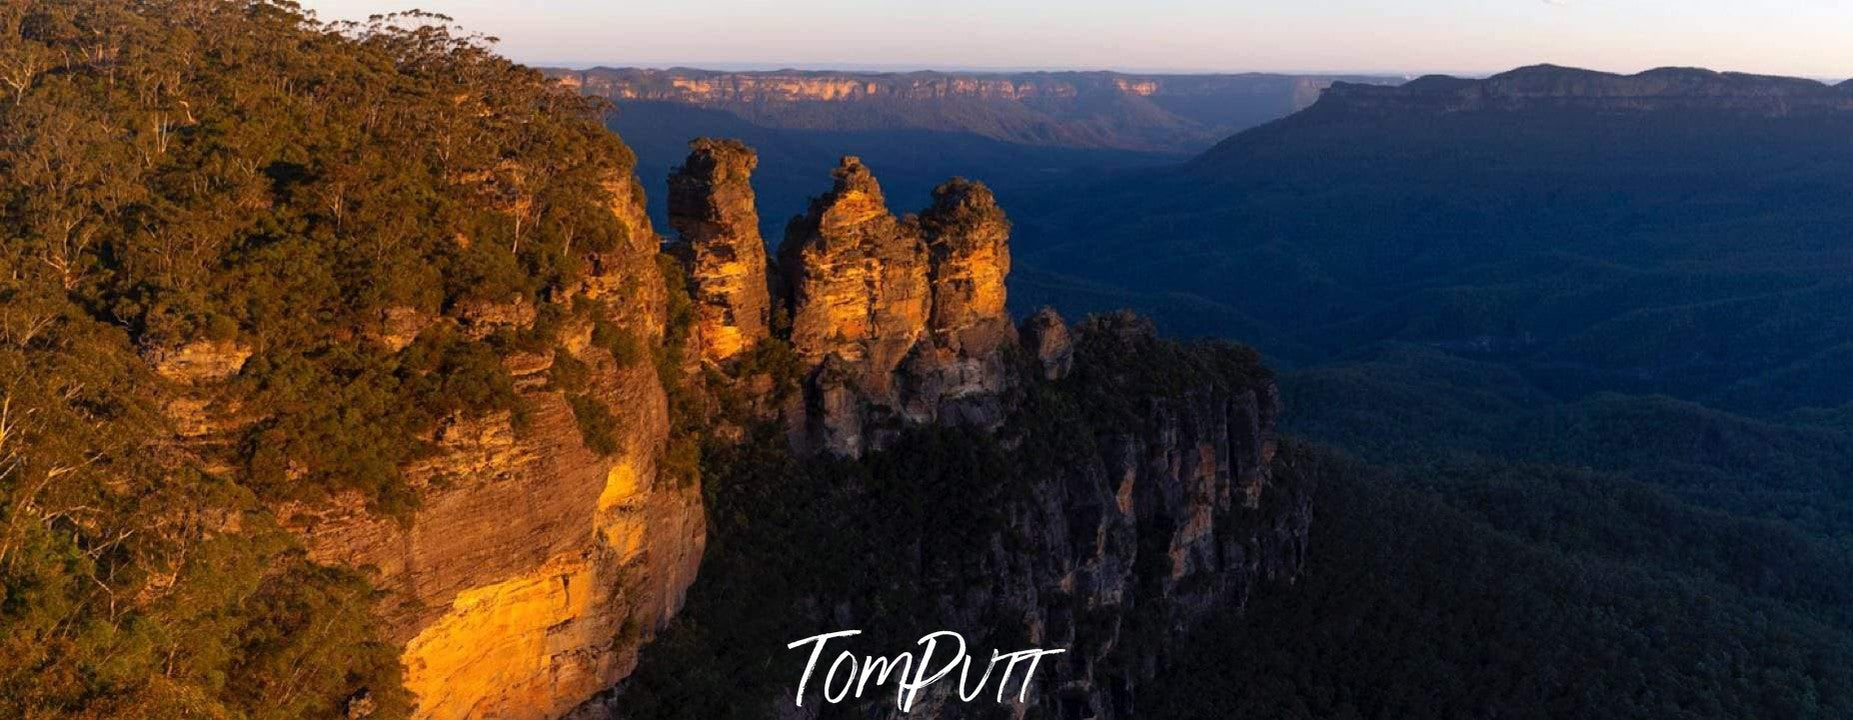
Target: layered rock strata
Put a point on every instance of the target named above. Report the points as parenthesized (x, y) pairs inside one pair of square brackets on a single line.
[(903, 319), (533, 568), (711, 208), (1174, 509)]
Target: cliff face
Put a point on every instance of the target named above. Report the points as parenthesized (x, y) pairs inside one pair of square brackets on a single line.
[(903, 319), (857, 278), (533, 567), (1170, 510), (711, 207), (958, 373), (1124, 487), (1162, 113), (1559, 88), (859, 300)]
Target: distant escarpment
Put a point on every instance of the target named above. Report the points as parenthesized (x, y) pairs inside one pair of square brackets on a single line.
[(1098, 110), (1551, 87), (1092, 488)]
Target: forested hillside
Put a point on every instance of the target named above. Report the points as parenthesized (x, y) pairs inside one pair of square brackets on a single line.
[(199, 189), (1582, 337)]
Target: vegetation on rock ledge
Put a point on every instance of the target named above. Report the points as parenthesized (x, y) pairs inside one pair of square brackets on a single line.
[(232, 179)]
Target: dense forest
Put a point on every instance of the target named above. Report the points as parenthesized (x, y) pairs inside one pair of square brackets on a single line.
[(187, 179), (1588, 370), (1490, 552)]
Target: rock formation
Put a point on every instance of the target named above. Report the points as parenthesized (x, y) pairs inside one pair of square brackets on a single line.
[(959, 367), (1143, 492), (1045, 335), (711, 207), (1159, 520), (533, 568), (859, 293), (857, 278), (903, 320)]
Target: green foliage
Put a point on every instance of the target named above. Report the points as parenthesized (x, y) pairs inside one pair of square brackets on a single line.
[(1522, 591), (796, 545), (597, 427), (625, 348), (787, 534), (185, 170), (568, 373), (1662, 558), (133, 588), (235, 171), (688, 419), (1125, 364), (348, 419)]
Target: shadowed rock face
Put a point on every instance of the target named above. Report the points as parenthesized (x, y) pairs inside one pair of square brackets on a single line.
[(1047, 336), (711, 207)]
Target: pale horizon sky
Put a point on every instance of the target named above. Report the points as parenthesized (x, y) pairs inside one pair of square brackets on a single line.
[(1779, 37)]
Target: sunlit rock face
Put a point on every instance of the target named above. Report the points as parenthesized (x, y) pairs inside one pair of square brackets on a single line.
[(535, 568), (959, 371), (199, 361), (858, 293), (711, 208), (902, 319), (857, 276)]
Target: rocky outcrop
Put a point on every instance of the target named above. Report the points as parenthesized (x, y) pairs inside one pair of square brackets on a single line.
[(857, 278), (1046, 336), (958, 369), (859, 293), (1131, 486), (1110, 514), (200, 361), (711, 207), (1560, 88), (1174, 509), (902, 320), (534, 568)]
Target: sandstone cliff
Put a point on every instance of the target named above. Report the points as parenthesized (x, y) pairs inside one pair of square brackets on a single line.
[(1170, 508), (859, 299), (711, 207), (957, 373), (1163, 113), (903, 320), (534, 567), (1093, 488)]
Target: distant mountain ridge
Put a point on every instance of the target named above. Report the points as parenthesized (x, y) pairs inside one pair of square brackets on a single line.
[(1550, 86), (1676, 232), (1174, 114)]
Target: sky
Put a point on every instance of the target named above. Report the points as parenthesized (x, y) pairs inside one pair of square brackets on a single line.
[(1785, 37)]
